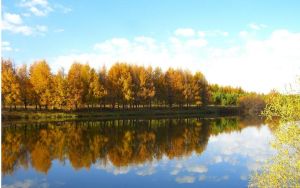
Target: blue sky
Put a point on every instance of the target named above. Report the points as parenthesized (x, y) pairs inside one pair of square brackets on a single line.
[(211, 36)]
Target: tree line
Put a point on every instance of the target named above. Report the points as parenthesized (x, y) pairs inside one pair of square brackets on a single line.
[(122, 86)]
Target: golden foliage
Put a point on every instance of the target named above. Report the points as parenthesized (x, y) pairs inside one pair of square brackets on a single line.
[(282, 170)]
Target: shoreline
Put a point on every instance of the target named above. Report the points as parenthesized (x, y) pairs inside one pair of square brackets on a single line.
[(56, 115)]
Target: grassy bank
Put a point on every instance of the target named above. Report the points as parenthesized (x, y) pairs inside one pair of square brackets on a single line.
[(51, 115)]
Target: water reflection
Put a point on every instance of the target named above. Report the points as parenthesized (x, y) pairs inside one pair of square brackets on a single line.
[(118, 146), (121, 142)]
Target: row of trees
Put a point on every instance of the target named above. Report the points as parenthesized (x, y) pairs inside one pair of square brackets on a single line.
[(129, 86)]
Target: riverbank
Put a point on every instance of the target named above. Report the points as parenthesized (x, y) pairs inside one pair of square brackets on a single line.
[(51, 115)]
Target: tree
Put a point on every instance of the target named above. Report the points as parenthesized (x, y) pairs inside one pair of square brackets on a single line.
[(121, 84), (96, 91), (75, 86), (127, 84), (59, 99), (104, 82), (10, 88), (174, 85), (26, 89), (146, 89), (159, 85), (252, 104), (200, 89), (283, 169), (41, 81), (188, 88), (225, 95), (85, 78)]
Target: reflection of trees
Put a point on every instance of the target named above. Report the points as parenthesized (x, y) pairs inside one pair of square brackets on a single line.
[(122, 142)]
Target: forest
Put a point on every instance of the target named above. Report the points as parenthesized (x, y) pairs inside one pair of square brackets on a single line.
[(122, 86)]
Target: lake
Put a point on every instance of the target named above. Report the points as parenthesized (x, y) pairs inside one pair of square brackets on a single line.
[(169, 152)]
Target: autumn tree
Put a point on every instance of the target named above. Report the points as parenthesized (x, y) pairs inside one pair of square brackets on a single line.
[(75, 86), (188, 93), (10, 87), (95, 91), (174, 81), (104, 82), (127, 84), (283, 168), (144, 84), (26, 87), (41, 80), (252, 104), (85, 79), (59, 99), (121, 84), (159, 85), (200, 89)]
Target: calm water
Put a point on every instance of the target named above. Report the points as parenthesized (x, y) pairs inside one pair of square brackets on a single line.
[(134, 153)]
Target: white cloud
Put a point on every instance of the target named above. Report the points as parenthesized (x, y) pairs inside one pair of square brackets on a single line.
[(16, 28), (63, 8), (201, 34), (14, 23), (185, 32), (12, 18), (255, 26), (243, 33), (185, 179), (197, 43), (41, 28), (213, 33), (113, 44), (147, 41), (37, 7), (197, 169), (253, 64), (59, 30), (6, 47), (225, 34), (26, 14)]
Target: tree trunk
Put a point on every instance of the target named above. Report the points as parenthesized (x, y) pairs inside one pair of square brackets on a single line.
[(113, 105)]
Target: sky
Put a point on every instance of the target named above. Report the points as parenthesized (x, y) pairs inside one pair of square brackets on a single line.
[(252, 44)]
